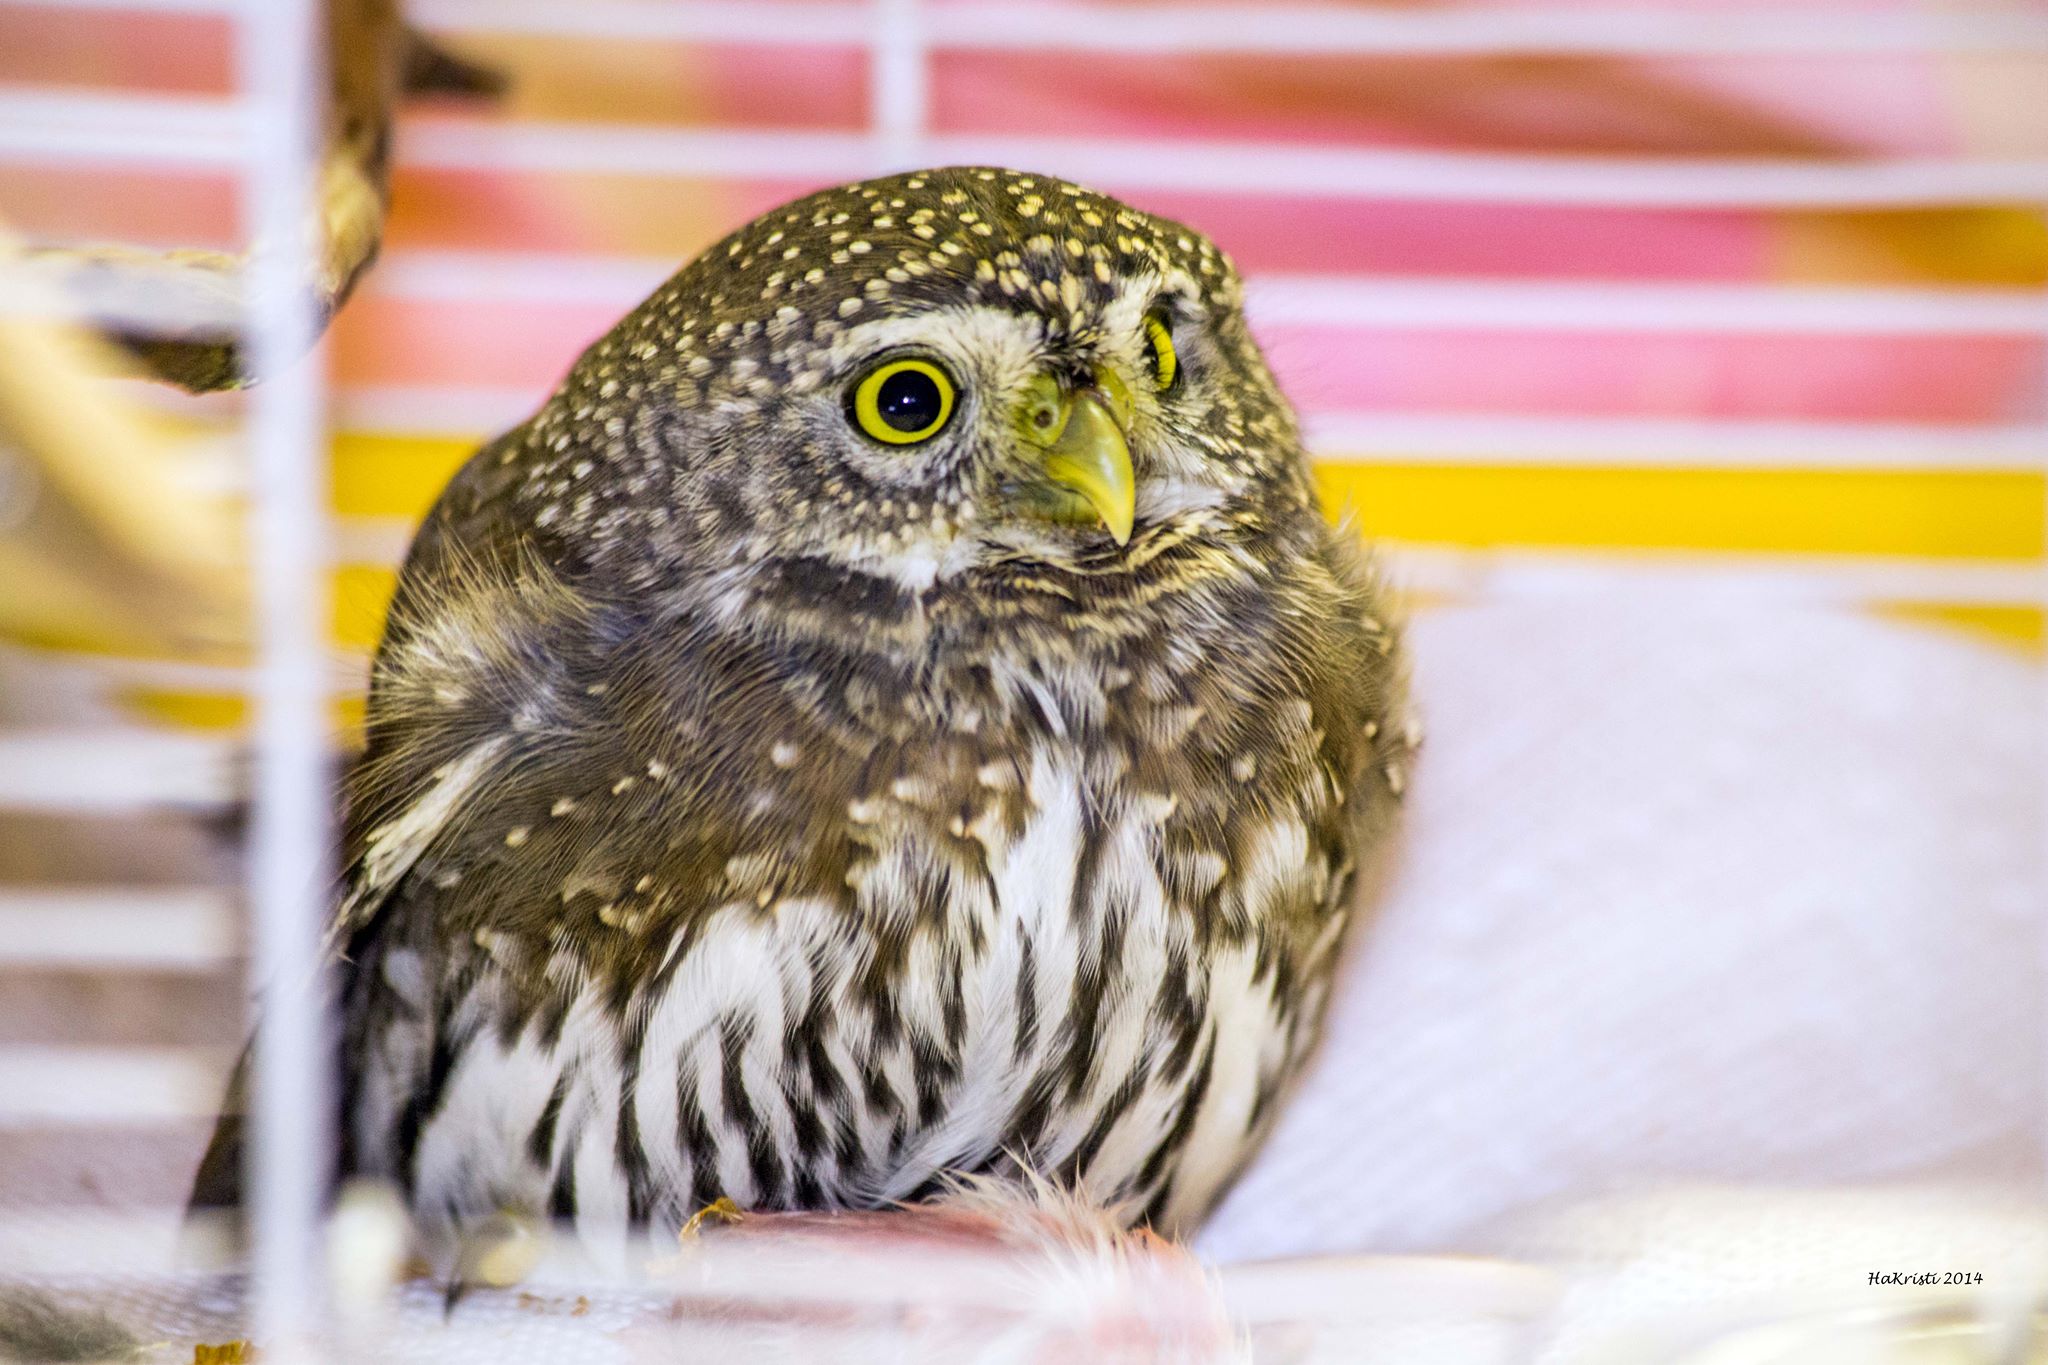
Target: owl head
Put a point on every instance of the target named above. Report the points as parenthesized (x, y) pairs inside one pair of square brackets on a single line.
[(922, 375)]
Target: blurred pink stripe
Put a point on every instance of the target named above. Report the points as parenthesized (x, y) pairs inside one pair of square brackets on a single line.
[(111, 203), (1751, 104), (614, 215), (381, 340), (1846, 7), (550, 212), (1907, 379), (388, 341), (1533, 242), (158, 53), (783, 87)]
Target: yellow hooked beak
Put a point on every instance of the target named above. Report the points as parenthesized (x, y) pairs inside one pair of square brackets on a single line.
[(1082, 432)]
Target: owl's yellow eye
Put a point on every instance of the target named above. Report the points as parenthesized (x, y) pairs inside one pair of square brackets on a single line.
[(901, 402), (1159, 349)]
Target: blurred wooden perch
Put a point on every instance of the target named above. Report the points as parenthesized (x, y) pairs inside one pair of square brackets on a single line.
[(180, 312), (103, 545), (108, 541)]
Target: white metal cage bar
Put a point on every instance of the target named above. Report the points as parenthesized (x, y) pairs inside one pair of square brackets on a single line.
[(282, 68)]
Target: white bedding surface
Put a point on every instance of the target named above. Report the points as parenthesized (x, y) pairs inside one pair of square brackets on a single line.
[(1692, 892)]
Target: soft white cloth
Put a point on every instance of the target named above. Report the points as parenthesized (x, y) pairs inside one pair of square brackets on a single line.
[(1693, 892)]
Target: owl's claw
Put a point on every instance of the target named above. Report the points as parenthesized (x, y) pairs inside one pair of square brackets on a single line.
[(721, 1210)]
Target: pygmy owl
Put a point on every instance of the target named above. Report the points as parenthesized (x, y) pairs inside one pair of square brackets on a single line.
[(897, 709)]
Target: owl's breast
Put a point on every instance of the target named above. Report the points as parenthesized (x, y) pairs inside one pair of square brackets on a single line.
[(1094, 986), (850, 938), (1035, 988)]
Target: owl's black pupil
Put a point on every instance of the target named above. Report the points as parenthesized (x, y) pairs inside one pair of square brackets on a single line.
[(909, 400)]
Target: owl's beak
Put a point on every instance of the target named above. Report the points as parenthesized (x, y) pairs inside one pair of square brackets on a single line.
[(1090, 457)]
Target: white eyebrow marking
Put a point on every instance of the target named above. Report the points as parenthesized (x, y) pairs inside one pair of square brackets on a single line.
[(977, 336)]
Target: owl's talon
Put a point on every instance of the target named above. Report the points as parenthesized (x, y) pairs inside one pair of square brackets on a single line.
[(721, 1210)]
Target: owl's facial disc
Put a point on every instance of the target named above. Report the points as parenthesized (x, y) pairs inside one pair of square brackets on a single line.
[(1076, 434)]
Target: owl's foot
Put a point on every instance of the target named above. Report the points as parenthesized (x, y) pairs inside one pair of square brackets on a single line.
[(497, 1253), (721, 1210)]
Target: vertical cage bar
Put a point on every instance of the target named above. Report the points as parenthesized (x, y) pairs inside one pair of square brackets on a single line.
[(2041, 602), (899, 91), (282, 65)]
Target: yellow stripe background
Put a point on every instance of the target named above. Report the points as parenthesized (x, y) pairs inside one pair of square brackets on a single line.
[(1943, 514), (1926, 514)]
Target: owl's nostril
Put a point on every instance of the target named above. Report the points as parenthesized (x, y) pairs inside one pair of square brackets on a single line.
[(1042, 411)]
